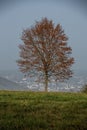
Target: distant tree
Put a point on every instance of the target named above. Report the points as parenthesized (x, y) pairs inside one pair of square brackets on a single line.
[(45, 51)]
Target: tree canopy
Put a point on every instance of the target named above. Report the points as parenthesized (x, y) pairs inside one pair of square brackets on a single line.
[(45, 52)]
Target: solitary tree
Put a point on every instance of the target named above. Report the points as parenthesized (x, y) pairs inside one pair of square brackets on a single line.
[(45, 51)]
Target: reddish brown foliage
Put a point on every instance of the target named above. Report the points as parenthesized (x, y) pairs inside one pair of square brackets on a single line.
[(45, 50)]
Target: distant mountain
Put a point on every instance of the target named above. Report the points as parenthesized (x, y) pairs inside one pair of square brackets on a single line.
[(6, 84)]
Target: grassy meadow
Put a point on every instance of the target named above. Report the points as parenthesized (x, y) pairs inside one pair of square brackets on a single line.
[(43, 111)]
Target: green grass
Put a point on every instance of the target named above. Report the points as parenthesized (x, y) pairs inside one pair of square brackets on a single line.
[(43, 111)]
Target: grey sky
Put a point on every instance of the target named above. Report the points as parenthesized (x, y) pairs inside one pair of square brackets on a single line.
[(16, 16)]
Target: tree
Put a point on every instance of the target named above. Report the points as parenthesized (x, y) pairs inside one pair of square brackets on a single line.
[(45, 51)]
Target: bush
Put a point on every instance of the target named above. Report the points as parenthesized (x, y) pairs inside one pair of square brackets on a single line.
[(84, 89)]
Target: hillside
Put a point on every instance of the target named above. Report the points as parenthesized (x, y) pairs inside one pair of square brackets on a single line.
[(42, 111), (6, 84)]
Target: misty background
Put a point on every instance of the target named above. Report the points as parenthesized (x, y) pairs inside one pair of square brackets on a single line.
[(18, 15)]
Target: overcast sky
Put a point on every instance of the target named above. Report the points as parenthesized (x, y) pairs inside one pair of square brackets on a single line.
[(18, 15)]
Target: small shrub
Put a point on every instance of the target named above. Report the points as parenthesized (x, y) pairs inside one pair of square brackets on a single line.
[(84, 89)]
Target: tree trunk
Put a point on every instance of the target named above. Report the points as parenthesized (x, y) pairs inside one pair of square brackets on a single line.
[(46, 82)]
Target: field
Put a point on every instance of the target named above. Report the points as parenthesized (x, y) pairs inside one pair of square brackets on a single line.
[(42, 111)]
